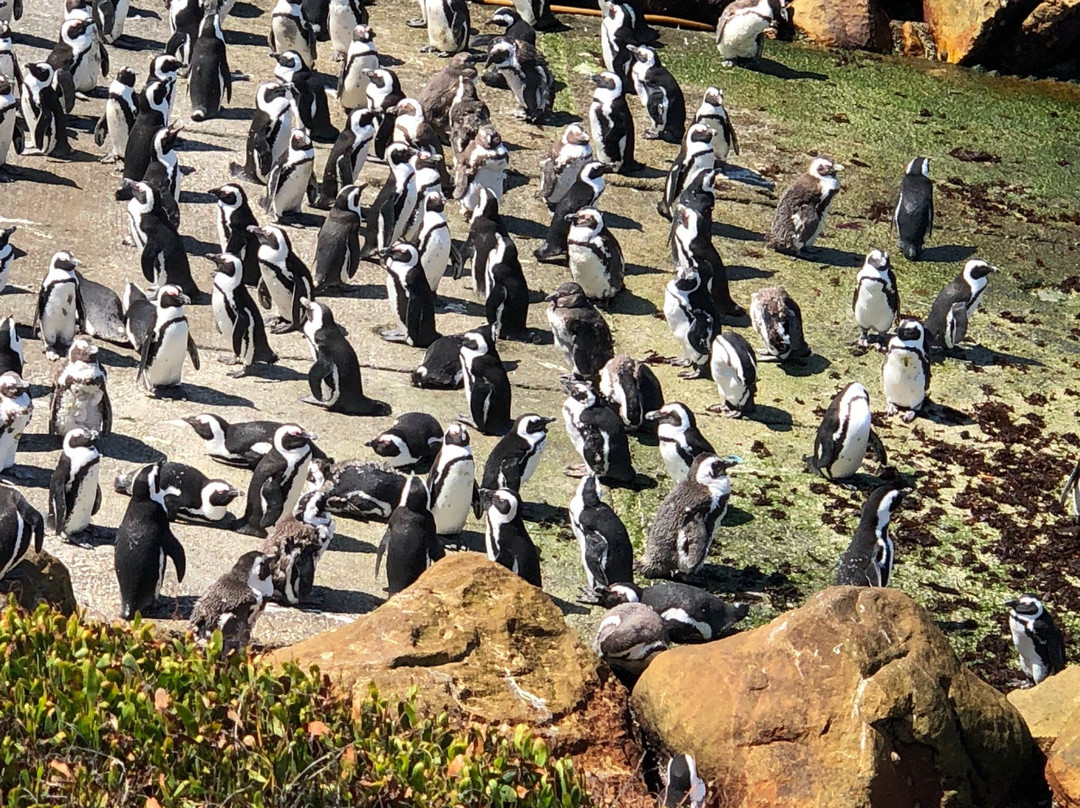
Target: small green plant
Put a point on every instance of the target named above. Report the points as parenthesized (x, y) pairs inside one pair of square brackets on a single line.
[(94, 716)]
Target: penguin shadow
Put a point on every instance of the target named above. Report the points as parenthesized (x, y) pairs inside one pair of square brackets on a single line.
[(810, 366), (947, 253), (275, 373), (360, 291), (641, 482), (386, 60), (560, 118), (112, 359), (246, 11), (746, 176), (98, 536), (514, 179), (40, 391), (569, 606), (467, 541), (643, 173), (737, 517), (247, 39), (778, 70), (40, 177), (129, 448), (642, 269), (543, 513), (723, 579), (945, 415), (179, 607), (189, 144), (340, 601), (199, 248), (742, 272), (130, 42), (301, 220), (235, 113), (833, 257), (618, 222), (626, 302), (342, 543), (735, 321), (725, 230), (981, 356), (774, 418), (28, 476), (38, 442), (533, 336), (31, 41), (525, 228), (153, 15), (208, 396)]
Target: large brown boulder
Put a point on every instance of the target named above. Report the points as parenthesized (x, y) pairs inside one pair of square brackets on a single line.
[(969, 32), (853, 700), (40, 578), (861, 24), (1063, 763), (1049, 706), (1049, 36), (476, 638)]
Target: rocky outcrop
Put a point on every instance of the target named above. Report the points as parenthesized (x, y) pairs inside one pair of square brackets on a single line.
[(473, 637), (40, 578), (968, 31), (1049, 706), (1049, 36), (860, 24), (855, 699), (1063, 763)]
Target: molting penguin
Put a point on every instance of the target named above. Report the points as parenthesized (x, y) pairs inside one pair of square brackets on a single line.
[(487, 387), (845, 435), (559, 170), (466, 115), (682, 786), (411, 442), (660, 95), (296, 546), (876, 302), (740, 31), (268, 135), (410, 543), (74, 492), (286, 278), (598, 435), (692, 318), (234, 602), (21, 527), (631, 389), (441, 367), (584, 193), (410, 298), (946, 325), (289, 30), (606, 552), (778, 321), (527, 75), (508, 541), (441, 91), (482, 164), (144, 542), (596, 259), (189, 494), (611, 125), (452, 482), (801, 212), (447, 26), (278, 480), (334, 378), (337, 247), (682, 530), (1037, 638), (59, 313), (161, 361), (291, 179), (579, 330), (913, 219), (517, 454), (628, 638), (79, 397), (712, 114), (347, 157), (868, 560), (680, 439), (209, 80), (234, 223), (80, 54), (43, 113), (905, 377), (115, 124), (237, 317)]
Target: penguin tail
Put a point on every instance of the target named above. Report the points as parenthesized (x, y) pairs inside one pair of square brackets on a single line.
[(198, 114)]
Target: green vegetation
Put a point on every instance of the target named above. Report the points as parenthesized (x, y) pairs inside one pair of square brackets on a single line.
[(94, 715)]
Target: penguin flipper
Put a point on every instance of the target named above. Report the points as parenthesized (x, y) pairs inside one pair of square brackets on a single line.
[(58, 509), (1070, 484), (193, 351), (97, 502), (596, 550), (174, 550), (273, 503), (80, 311), (104, 60), (477, 502), (240, 330), (144, 356), (878, 448), (592, 450), (381, 550), (101, 130)]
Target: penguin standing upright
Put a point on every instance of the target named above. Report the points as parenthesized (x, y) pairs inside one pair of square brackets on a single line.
[(455, 82), (334, 378), (209, 79), (342, 19), (712, 113), (9, 111), (611, 125), (80, 54), (42, 111), (278, 480), (11, 349), (185, 17), (598, 435), (7, 255), (163, 173), (740, 31), (1037, 638), (289, 30), (487, 387), (164, 259), (234, 602), (447, 26), (579, 330), (347, 157), (452, 482), (144, 542), (696, 154), (947, 322), (680, 439), (693, 320), (660, 95), (16, 410), (59, 313), (383, 92), (286, 278), (616, 36), (692, 244), (296, 546), (778, 321), (410, 298), (507, 303), (508, 541), (21, 527), (559, 170), (268, 135), (584, 193), (845, 435), (411, 543), (595, 257), (153, 107), (311, 110), (234, 223), (115, 124), (527, 75), (682, 530), (905, 377), (802, 209), (74, 492), (515, 457), (433, 242), (876, 302), (482, 164), (236, 316), (913, 219), (467, 114), (631, 389), (161, 361), (337, 247), (682, 786), (359, 59), (292, 179), (485, 227), (80, 399), (606, 552), (868, 560), (392, 209), (733, 365)]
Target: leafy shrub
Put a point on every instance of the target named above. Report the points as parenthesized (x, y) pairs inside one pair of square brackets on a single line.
[(94, 716)]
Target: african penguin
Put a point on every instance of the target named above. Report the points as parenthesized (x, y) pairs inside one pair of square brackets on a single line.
[(559, 170), (616, 36), (285, 277), (845, 435), (508, 541), (360, 57), (777, 319), (447, 26), (733, 365), (334, 379), (482, 164), (487, 387), (292, 179), (632, 390), (517, 454), (680, 439), (711, 113), (343, 18), (242, 444), (79, 397), (507, 303), (189, 494), (289, 30), (740, 31), (485, 227), (452, 482), (660, 95), (1037, 638), (11, 349), (383, 92), (234, 602), (362, 490), (598, 435), (237, 317), (690, 614), (296, 546), (467, 114), (946, 325), (579, 330), (9, 112), (337, 246), (74, 492), (682, 786), (410, 297), (234, 221), (584, 193), (629, 637), (596, 259), (80, 54), (868, 560), (876, 301), (905, 376), (59, 313), (164, 258), (611, 125), (21, 527), (389, 214), (269, 133), (696, 154), (433, 242), (441, 368), (139, 315), (161, 361), (801, 212), (115, 124), (411, 442), (347, 157), (16, 410), (411, 543), (692, 245), (278, 480), (311, 110), (693, 320), (153, 107), (913, 219), (209, 80), (606, 552), (514, 24), (43, 113), (7, 254), (527, 75)]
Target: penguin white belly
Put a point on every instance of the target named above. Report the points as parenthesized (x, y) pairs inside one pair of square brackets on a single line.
[(280, 295), (31, 117), (516, 85), (341, 21), (354, 89), (117, 29), (853, 450), (451, 509), (607, 48), (118, 128), (88, 70), (872, 309), (9, 444), (80, 406), (221, 315), (168, 363), (677, 615), (83, 510), (7, 130), (289, 196), (740, 37), (673, 462), (392, 294), (730, 384), (720, 146), (903, 379), (640, 88), (293, 494), (440, 35), (58, 319), (588, 271), (1026, 647), (436, 256), (532, 462), (576, 438), (408, 207)]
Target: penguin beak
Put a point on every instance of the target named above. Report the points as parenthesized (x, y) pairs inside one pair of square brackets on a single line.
[(596, 78), (1012, 604), (184, 300), (570, 217), (216, 192), (547, 421), (309, 435), (837, 167), (655, 415)]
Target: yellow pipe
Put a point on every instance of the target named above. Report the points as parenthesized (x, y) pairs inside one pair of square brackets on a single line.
[(659, 19)]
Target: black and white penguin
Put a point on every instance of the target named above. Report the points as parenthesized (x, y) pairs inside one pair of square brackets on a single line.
[(452, 482), (947, 322), (410, 298), (7, 254), (289, 30), (611, 125), (347, 157), (114, 31), (43, 112), (693, 320), (190, 494), (383, 93), (410, 543), (629, 637), (616, 36), (21, 527), (234, 602), (447, 26), (740, 31), (235, 237), (342, 20), (242, 444), (278, 480), (80, 399), (527, 75), (337, 247), (559, 170), (485, 227), (514, 24), (16, 410), (161, 361), (9, 135), (905, 377), (119, 117), (598, 435), (876, 302), (9, 62), (584, 193), (631, 389), (334, 378), (682, 786), (80, 54), (153, 106), (682, 530), (845, 435), (778, 321), (411, 442), (286, 278), (237, 317), (164, 258), (74, 490), (660, 95), (692, 245), (185, 17), (434, 244), (362, 490), (268, 135), (680, 439), (606, 552), (535, 13), (292, 179), (59, 315), (11, 348), (507, 303), (696, 154), (139, 315), (296, 547), (482, 164), (690, 614), (316, 14), (360, 57), (802, 209), (393, 208), (579, 330), (163, 172), (311, 110), (144, 543), (712, 113), (428, 179), (913, 219), (441, 367), (209, 79), (1037, 638), (868, 560), (487, 387), (595, 257), (517, 454), (507, 539)]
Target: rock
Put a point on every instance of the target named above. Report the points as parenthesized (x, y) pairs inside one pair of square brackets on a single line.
[(855, 699), (1049, 706), (968, 32), (474, 637), (40, 578), (1049, 36), (1063, 763), (860, 24), (913, 39)]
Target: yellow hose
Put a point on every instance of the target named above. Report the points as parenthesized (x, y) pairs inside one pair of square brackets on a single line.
[(659, 19)]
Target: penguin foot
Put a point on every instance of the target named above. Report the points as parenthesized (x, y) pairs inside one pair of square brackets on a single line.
[(337, 56), (652, 133), (279, 325), (908, 416), (891, 409), (550, 255), (109, 159), (228, 360), (577, 471), (251, 530), (695, 372), (394, 335), (312, 400), (416, 22), (238, 374), (127, 242), (430, 49)]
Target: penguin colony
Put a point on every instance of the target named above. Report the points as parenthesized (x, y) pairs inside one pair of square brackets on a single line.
[(388, 162)]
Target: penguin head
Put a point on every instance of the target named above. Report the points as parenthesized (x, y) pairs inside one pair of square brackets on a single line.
[(271, 236), (607, 81), (687, 278), (531, 426), (316, 317), (142, 197), (589, 491), (575, 134), (254, 569), (289, 64), (156, 95), (708, 468), (273, 97), (383, 79), (407, 108), (12, 385), (291, 437), (823, 167), (456, 435), (363, 33), (504, 17), (1026, 607), (362, 122), (698, 138), (882, 503), (569, 295), (41, 72), (593, 171), (502, 53), (5, 85), (629, 636), (398, 153), (643, 54), (435, 201), (489, 137), (126, 76), (615, 12), (684, 787), (207, 425), (877, 260), (976, 269), (623, 592), (78, 438), (74, 29), (64, 261), (479, 341), (228, 265), (415, 496), (165, 67), (401, 257), (299, 141), (147, 485), (854, 392), (349, 199), (83, 350), (219, 493), (171, 296), (165, 139), (714, 96), (919, 166), (211, 25), (311, 508), (505, 504), (675, 414), (580, 391), (588, 218), (911, 331)]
